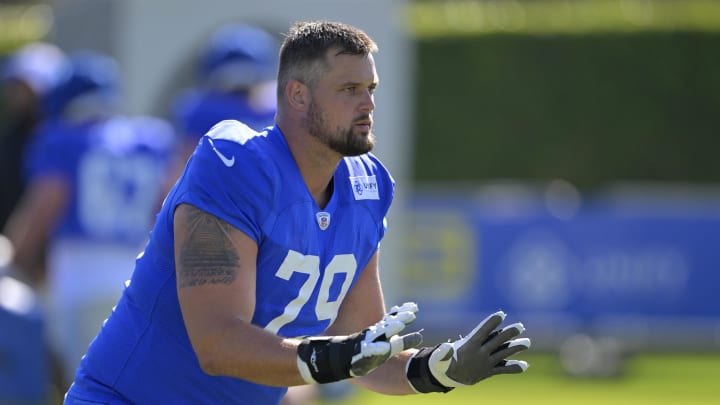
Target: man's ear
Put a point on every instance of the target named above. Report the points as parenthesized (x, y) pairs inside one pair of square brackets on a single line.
[(298, 95)]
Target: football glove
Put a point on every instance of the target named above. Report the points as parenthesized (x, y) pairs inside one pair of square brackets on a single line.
[(477, 356), (324, 359)]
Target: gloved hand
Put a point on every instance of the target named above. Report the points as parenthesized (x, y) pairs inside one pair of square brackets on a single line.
[(325, 359), (466, 361)]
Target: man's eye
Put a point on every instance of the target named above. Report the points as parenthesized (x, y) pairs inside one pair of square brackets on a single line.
[(350, 89)]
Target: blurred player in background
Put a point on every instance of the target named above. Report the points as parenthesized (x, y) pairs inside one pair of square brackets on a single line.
[(28, 368), (235, 79), (93, 182), (26, 77), (262, 269)]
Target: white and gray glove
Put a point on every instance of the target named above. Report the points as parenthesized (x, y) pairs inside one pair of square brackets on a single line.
[(324, 359), (481, 354)]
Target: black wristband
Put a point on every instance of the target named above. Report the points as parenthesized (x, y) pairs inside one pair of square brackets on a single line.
[(419, 375), (328, 358)]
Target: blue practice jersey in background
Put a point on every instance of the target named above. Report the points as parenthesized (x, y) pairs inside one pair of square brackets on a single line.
[(308, 260), (114, 167), (198, 110)]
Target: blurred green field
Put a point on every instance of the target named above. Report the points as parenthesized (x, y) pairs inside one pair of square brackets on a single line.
[(647, 379)]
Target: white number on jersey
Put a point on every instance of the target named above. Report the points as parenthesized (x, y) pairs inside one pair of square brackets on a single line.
[(310, 265), (117, 195)]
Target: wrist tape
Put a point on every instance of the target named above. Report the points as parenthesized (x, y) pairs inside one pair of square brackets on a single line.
[(326, 359), (419, 375)]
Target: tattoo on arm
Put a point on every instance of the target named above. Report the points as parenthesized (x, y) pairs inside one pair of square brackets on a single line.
[(208, 255)]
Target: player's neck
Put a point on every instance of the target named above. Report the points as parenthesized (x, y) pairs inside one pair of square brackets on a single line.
[(318, 175), (316, 163)]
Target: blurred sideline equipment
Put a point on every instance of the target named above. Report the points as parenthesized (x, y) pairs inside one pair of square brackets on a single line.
[(628, 271)]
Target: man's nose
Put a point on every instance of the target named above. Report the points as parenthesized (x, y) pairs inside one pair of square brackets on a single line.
[(368, 102)]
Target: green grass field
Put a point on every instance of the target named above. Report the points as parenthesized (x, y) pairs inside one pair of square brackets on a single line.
[(692, 379)]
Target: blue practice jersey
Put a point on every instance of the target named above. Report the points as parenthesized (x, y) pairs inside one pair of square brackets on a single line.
[(198, 110), (114, 168), (308, 260)]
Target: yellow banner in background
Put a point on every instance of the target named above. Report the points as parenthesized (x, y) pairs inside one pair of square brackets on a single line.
[(441, 247), (20, 24), (475, 17)]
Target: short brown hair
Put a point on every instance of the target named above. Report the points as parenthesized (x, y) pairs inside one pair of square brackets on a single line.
[(302, 54)]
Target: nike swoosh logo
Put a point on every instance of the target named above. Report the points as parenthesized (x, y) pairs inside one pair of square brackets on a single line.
[(227, 162)]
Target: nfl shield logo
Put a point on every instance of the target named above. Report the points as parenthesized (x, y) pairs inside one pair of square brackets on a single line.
[(323, 219)]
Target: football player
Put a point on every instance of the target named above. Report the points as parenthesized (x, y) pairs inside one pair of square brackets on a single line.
[(262, 269)]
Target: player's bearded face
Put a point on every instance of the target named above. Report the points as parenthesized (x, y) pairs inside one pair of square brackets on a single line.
[(347, 141)]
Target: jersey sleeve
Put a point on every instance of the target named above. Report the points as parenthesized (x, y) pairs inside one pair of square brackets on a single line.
[(227, 178)]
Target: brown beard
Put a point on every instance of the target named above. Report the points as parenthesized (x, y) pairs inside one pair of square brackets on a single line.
[(345, 141)]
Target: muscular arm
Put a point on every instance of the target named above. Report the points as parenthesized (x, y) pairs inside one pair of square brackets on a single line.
[(363, 306), (215, 266)]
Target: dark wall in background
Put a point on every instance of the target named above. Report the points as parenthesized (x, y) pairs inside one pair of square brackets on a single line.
[(590, 109)]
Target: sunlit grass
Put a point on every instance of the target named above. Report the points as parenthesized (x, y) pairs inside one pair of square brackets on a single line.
[(647, 379)]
